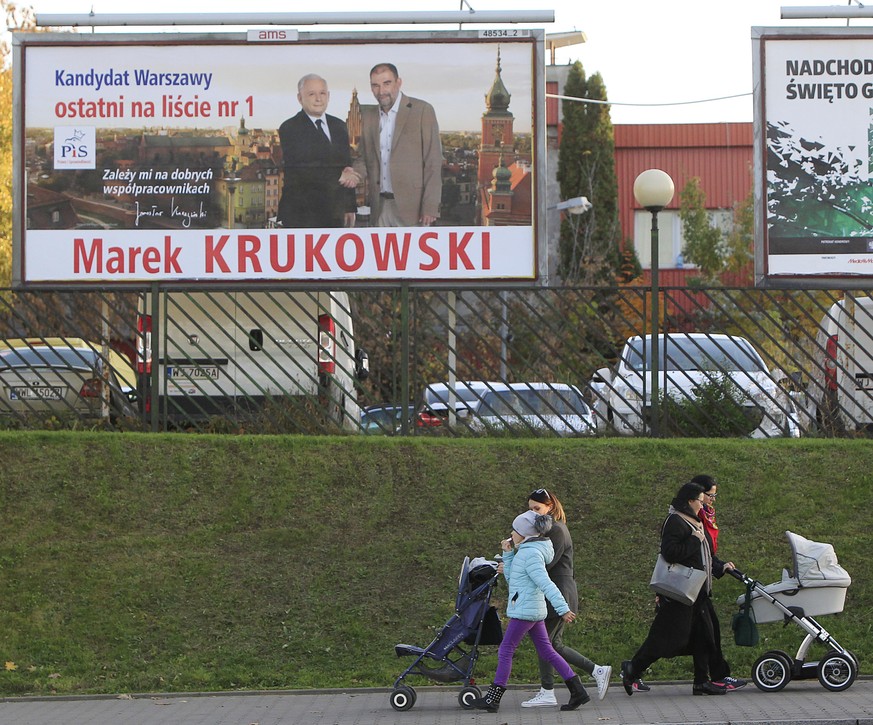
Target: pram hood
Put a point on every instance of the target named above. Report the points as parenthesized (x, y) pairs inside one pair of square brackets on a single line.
[(816, 586), (815, 563)]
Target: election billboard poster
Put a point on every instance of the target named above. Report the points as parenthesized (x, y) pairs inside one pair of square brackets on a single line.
[(275, 156), (814, 156)]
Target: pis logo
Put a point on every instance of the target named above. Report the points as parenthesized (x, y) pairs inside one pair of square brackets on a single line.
[(74, 147)]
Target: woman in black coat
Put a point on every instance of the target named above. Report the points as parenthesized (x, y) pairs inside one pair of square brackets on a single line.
[(679, 628)]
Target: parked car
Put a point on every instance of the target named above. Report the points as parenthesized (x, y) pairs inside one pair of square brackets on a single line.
[(840, 389), (384, 419), (688, 362), (433, 410), (534, 407), (221, 352), (64, 376)]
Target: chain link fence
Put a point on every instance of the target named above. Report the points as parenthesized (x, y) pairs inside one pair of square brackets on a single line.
[(576, 361)]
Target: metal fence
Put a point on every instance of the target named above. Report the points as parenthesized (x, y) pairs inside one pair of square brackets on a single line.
[(552, 361)]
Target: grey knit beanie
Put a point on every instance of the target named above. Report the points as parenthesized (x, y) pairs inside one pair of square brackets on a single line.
[(530, 523)]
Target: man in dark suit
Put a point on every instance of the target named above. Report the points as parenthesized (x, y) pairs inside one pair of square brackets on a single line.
[(400, 154), (317, 162)]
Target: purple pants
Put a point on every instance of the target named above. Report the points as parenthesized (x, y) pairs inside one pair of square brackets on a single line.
[(515, 631)]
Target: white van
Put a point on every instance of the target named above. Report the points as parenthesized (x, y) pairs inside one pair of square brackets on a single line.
[(229, 352), (841, 387)]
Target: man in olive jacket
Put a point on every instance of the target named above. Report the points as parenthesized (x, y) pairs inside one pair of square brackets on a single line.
[(399, 155)]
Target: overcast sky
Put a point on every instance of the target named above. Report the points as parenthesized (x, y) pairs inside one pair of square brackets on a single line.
[(648, 51)]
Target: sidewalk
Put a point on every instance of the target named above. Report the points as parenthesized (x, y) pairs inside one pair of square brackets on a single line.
[(799, 703)]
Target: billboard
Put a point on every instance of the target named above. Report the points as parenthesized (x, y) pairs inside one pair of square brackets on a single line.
[(277, 156), (814, 156)]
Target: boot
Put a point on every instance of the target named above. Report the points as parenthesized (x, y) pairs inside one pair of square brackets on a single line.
[(491, 701), (578, 696), (627, 679)]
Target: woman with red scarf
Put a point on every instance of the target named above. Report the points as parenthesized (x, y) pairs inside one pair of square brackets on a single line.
[(718, 665)]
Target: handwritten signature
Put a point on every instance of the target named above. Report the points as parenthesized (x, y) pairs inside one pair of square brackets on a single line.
[(186, 214)]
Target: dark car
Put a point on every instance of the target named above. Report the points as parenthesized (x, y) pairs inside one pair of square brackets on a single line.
[(384, 419)]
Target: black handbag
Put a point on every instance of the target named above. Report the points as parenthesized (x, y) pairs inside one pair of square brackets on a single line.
[(744, 624)]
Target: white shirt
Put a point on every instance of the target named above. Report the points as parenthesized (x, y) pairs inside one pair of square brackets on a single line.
[(323, 124), (387, 122)]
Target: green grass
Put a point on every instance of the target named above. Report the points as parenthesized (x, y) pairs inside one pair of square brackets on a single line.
[(134, 562)]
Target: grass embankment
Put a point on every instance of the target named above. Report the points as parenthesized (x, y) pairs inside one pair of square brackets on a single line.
[(135, 563)]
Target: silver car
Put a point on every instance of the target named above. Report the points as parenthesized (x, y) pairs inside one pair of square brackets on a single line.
[(688, 364), (542, 408), (63, 381)]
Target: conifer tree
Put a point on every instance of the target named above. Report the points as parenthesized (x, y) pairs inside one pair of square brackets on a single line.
[(586, 167)]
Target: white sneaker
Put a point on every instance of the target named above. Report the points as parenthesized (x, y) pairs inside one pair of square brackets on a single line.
[(544, 698), (601, 674)]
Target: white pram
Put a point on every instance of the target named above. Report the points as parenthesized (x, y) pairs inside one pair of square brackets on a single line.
[(816, 586)]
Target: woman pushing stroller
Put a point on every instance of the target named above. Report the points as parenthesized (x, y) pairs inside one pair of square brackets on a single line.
[(678, 628), (526, 553)]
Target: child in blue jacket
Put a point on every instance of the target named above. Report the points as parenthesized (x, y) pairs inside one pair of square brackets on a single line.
[(526, 554)]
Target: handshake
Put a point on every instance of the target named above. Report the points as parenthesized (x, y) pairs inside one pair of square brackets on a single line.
[(349, 178)]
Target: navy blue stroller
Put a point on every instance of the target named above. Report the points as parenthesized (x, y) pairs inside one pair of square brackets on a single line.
[(474, 622)]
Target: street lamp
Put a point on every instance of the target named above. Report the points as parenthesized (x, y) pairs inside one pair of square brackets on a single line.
[(653, 190), (574, 209), (231, 180), (576, 205)]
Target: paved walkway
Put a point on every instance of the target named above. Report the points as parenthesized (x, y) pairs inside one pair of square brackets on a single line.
[(800, 703)]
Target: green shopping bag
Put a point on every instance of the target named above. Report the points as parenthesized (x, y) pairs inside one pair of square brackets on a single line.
[(743, 624)]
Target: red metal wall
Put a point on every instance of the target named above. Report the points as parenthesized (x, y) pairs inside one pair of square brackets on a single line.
[(720, 154)]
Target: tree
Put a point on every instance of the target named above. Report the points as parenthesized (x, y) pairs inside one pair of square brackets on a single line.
[(16, 17), (703, 245), (715, 251), (740, 240), (586, 167)]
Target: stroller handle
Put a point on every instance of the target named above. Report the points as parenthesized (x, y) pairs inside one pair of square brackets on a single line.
[(737, 574)]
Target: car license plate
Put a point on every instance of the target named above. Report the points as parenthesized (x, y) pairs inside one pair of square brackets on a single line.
[(194, 372), (36, 392)]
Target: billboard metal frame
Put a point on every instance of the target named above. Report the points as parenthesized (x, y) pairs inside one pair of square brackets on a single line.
[(822, 269), (533, 38)]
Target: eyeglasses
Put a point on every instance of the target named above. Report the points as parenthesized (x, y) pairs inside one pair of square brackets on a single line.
[(711, 495)]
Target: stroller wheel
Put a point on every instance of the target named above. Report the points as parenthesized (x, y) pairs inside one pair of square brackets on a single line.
[(467, 695), (837, 671), (772, 671), (403, 698), (855, 658)]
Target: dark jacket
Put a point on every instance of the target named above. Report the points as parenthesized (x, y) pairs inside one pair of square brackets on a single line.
[(311, 192), (561, 567), (676, 626), (680, 546)]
